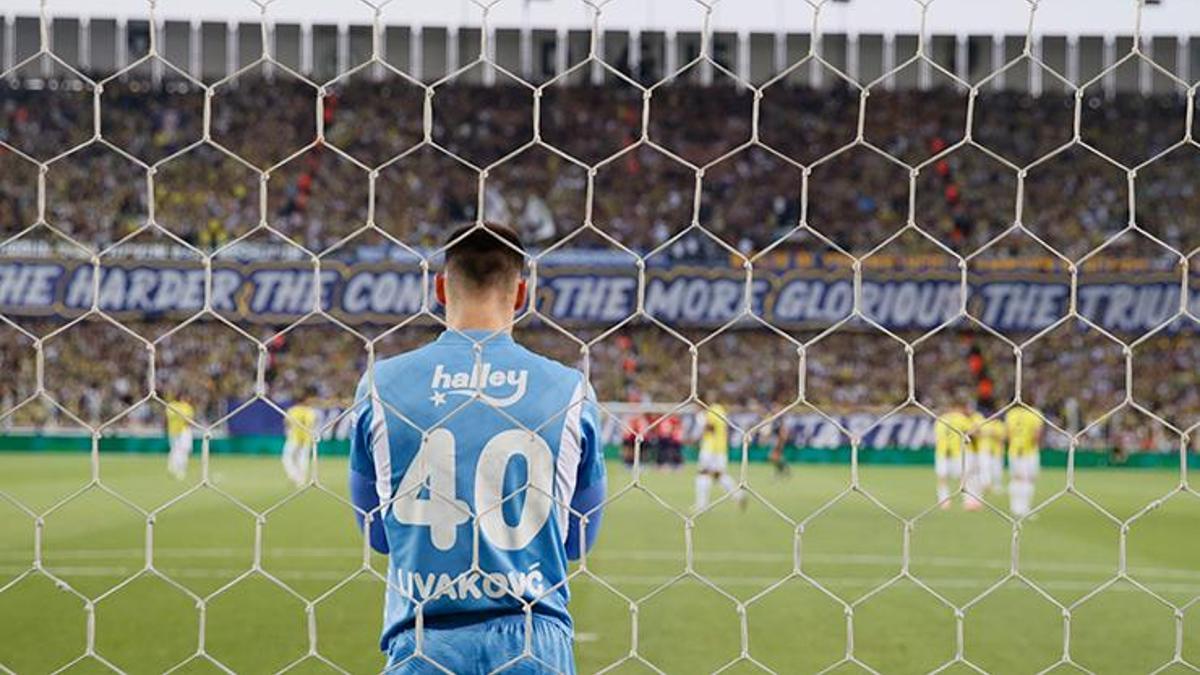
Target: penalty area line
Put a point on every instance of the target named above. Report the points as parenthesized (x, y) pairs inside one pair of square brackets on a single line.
[(649, 580), (607, 556)]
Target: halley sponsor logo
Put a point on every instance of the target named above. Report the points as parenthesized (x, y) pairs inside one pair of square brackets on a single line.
[(480, 379), (472, 585)]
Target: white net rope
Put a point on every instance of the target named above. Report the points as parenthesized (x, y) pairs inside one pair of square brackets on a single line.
[(705, 62)]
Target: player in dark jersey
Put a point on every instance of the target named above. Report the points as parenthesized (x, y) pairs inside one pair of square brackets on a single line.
[(778, 455)]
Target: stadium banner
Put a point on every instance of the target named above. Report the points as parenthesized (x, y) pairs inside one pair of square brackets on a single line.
[(271, 445), (904, 430), (810, 430), (904, 437), (899, 297)]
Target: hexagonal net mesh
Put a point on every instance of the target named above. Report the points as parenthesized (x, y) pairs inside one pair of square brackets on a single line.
[(854, 277)]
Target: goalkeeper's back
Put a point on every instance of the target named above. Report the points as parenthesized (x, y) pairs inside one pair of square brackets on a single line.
[(511, 437), (482, 455)]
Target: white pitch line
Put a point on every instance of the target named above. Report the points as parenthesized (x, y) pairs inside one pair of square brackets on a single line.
[(604, 556), (936, 582), (630, 579), (890, 561)]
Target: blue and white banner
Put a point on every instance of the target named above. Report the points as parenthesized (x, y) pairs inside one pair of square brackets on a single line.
[(385, 292), (809, 430), (905, 430)]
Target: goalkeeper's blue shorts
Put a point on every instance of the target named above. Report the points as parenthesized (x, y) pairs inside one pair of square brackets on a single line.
[(485, 646)]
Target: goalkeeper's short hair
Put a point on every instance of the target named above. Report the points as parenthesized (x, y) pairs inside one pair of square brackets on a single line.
[(485, 255)]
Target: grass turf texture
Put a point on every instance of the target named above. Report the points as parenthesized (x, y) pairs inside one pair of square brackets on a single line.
[(96, 544)]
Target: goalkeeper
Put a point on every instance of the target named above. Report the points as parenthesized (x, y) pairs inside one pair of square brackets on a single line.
[(475, 447)]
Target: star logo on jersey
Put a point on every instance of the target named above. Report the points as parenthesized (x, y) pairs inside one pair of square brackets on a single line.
[(438, 399), (495, 387)]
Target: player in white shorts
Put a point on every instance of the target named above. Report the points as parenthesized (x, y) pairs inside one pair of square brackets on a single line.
[(1024, 428), (301, 429), (989, 441), (948, 453), (180, 413), (714, 457)]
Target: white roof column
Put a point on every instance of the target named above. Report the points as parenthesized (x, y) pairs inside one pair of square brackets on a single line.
[(416, 52), (1110, 56)]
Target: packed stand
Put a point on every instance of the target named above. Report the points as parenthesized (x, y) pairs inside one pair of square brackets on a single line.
[(208, 195), (1074, 199), (98, 372)]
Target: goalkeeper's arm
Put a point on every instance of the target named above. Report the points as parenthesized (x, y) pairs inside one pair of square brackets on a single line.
[(590, 484), (363, 491)]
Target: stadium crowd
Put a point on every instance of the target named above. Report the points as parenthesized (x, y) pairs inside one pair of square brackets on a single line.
[(98, 372), (1074, 199), (205, 195)]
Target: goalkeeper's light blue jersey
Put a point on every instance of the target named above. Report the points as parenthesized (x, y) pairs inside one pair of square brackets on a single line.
[(511, 439)]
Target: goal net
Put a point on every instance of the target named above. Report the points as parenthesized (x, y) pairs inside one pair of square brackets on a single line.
[(893, 333)]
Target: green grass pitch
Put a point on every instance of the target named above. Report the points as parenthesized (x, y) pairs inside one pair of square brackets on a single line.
[(97, 544)]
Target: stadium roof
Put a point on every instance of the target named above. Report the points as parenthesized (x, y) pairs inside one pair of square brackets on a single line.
[(975, 17)]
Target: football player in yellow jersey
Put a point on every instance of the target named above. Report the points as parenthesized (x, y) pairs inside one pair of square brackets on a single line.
[(301, 423), (1024, 428), (975, 462), (950, 430), (179, 435), (989, 440), (714, 455)]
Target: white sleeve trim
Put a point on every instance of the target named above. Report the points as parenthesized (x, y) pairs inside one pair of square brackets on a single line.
[(570, 453), (381, 451)]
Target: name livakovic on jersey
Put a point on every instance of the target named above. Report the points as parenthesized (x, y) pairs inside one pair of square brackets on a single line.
[(468, 585)]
